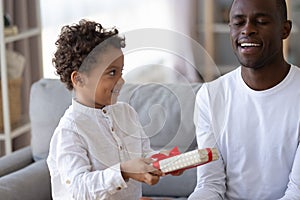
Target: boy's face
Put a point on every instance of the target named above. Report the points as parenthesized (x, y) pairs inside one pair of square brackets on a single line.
[(103, 83)]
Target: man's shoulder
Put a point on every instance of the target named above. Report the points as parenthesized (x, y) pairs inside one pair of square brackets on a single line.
[(296, 68), (221, 86), (226, 80)]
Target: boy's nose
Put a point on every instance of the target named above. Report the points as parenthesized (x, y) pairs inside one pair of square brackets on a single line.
[(121, 81)]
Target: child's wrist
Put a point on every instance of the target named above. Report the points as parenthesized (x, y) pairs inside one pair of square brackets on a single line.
[(124, 174)]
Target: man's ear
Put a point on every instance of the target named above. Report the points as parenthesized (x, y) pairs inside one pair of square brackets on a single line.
[(287, 27), (77, 79)]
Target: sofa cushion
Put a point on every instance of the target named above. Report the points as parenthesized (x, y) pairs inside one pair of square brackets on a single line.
[(49, 99), (165, 111), (26, 183), (15, 161)]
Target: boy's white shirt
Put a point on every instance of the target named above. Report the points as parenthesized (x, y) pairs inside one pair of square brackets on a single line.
[(87, 148)]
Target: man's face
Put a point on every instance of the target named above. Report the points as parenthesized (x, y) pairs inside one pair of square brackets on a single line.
[(256, 30)]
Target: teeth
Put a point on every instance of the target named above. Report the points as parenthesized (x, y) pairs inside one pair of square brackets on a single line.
[(249, 45)]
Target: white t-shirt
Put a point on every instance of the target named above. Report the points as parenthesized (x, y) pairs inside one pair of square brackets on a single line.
[(257, 134), (87, 148)]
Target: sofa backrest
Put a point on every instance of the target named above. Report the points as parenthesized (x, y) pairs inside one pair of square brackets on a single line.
[(49, 99), (165, 111)]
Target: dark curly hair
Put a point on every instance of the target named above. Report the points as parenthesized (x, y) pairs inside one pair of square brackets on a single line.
[(76, 42)]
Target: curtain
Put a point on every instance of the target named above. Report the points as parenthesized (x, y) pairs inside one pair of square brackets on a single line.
[(195, 65)]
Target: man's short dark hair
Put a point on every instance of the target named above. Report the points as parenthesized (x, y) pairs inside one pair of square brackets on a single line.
[(281, 4)]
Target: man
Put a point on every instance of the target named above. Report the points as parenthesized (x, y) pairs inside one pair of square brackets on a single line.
[(253, 113)]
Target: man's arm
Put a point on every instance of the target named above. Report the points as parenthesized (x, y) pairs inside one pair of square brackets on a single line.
[(293, 190), (211, 176)]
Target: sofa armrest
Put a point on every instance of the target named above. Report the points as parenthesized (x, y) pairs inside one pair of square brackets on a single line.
[(15, 161), (29, 183)]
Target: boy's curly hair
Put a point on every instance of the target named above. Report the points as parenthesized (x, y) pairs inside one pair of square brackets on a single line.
[(76, 42)]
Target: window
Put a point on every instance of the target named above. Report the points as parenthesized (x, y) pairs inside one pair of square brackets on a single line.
[(131, 17), (126, 15)]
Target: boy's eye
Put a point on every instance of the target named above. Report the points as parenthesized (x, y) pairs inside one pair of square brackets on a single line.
[(112, 72)]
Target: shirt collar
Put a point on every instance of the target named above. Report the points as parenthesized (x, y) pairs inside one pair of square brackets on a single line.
[(89, 110)]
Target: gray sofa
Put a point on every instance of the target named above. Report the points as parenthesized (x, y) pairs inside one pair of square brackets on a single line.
[(165, 111)]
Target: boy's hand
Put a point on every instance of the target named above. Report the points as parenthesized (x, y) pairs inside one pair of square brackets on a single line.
[(140, 169)]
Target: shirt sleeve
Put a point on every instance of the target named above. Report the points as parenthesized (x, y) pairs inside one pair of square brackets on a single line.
[(211, 176), (76, 171), (293, 189)]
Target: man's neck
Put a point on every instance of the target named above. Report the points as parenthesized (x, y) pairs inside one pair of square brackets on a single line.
[(265, 77)]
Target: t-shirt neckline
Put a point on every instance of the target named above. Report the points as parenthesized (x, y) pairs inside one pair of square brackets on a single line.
[(269, 91)]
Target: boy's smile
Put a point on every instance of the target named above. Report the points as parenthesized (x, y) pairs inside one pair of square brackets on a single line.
[(102, 87)]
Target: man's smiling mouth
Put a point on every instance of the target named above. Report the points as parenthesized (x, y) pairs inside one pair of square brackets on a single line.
[(245, 45)]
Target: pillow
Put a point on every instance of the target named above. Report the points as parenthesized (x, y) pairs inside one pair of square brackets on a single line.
[(166, 112), (49, 98)]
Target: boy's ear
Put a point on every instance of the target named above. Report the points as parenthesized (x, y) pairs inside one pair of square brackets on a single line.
[(77, 79)]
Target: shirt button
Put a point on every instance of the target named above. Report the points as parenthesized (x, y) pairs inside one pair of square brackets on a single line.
[(68, 182), (119, 188), (121, 148), (104, 111), (112, 129)]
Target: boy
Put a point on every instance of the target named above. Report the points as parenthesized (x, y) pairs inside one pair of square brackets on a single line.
[(99, 149)]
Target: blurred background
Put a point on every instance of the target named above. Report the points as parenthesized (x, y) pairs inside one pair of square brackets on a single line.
[(174, 41), (203, 23)]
